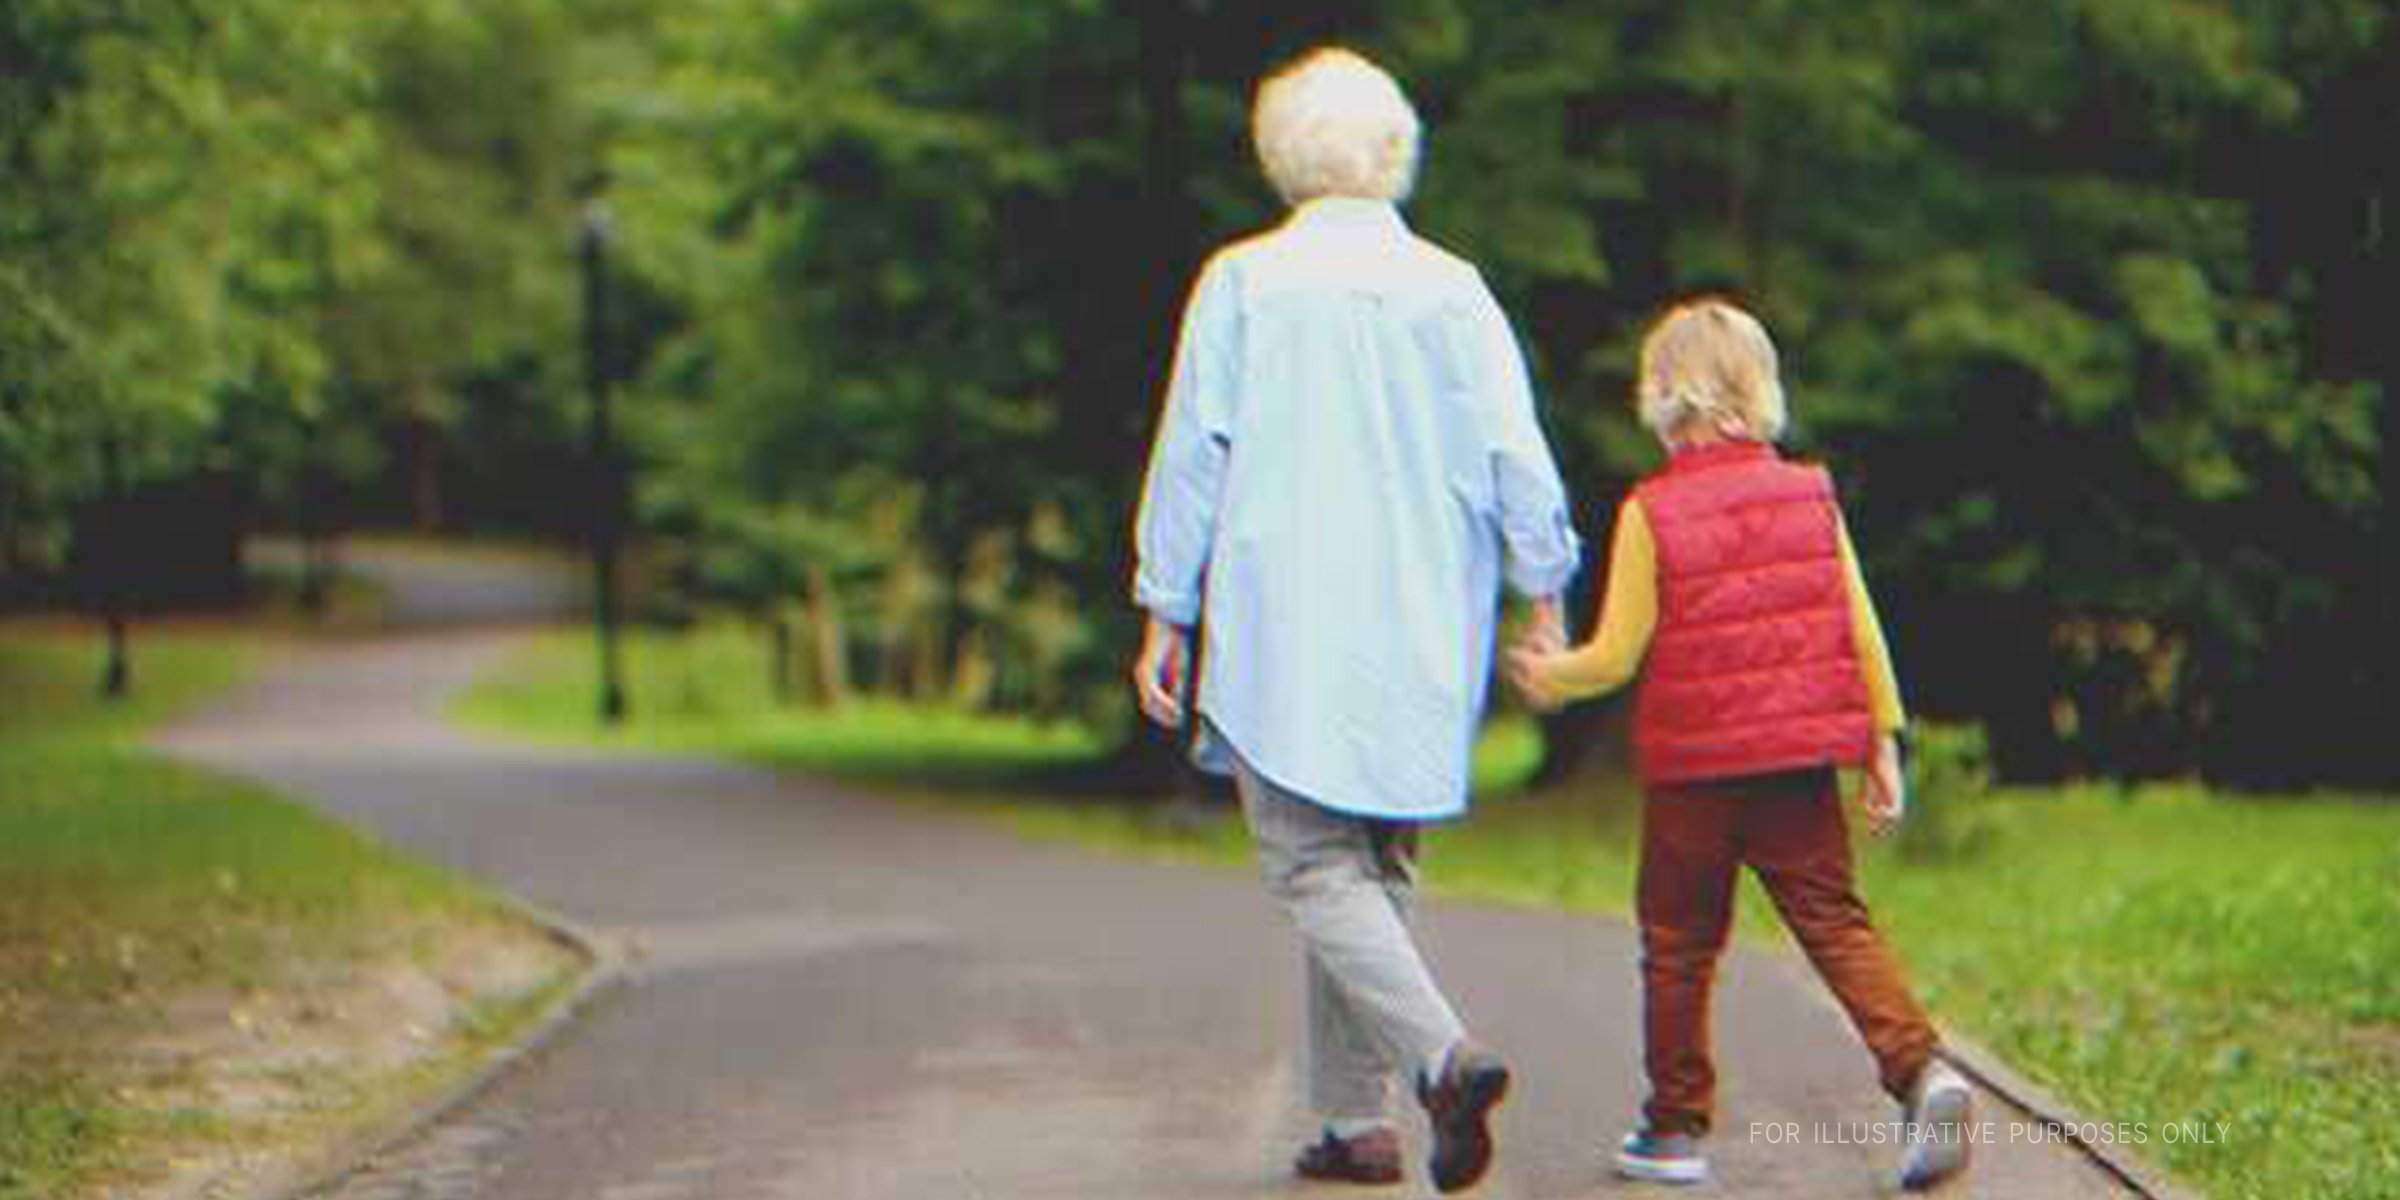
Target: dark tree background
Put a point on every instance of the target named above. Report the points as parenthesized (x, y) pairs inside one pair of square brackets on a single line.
[(2084, 300)]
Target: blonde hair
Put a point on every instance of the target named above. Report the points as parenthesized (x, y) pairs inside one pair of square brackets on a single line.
[(1708, 363), (1334, 124)]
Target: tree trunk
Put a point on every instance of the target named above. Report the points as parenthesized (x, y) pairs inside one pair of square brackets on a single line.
[(947, 643), (2019, 693), (972, 672), (2382, 211), (318, 568), (1739, 220), (316, 525), (779, 657), (2385, 679), (928, 663), (424, 469), (116, 680), (1165, 39), (1149, 761), (830, 643), (115, 569)]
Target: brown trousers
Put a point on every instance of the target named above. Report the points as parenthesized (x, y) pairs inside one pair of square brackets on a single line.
[(1789, 829)]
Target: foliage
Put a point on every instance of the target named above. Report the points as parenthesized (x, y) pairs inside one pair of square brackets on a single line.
[(460, 345), (2051, 333), (180, 196), (895, 372), (281, 244), (2071, 368), (2078, 296), (1949, 770)]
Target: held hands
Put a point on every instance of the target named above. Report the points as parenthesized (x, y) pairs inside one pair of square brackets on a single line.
[(1529, 670), (1533, 661), (1529, 663), (1159, 671), (1883, 793)]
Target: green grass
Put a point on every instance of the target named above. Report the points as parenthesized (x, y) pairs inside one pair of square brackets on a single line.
[(2159, 956), (51, 677), (99, 837), (125, 878), (708, 691), (52, 1128), (2166, 956)]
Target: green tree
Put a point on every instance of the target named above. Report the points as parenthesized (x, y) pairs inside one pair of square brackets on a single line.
[(163, 238)]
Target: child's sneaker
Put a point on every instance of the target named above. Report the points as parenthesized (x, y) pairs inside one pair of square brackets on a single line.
[(1662, 1158), (1940, 1108)]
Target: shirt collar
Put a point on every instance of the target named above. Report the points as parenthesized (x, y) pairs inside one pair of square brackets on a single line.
[(1348, 212)]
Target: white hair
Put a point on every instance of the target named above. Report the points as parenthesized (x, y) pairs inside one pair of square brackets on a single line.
[(1334, 124)]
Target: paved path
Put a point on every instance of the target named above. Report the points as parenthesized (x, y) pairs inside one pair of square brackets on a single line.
[(837, 998)]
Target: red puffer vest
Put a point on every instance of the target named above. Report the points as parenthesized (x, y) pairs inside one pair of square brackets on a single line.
[(1754, 666)]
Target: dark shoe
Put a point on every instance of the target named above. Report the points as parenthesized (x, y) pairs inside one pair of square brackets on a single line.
[(1940, 1108), (1474, 1081), (1368, 1158), (1655, 1157)]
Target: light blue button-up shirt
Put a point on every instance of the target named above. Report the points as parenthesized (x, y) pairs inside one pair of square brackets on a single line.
[(1347, 466)]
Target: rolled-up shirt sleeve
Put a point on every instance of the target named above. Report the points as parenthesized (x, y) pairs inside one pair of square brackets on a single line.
[(1177, 521), (1543, 550)]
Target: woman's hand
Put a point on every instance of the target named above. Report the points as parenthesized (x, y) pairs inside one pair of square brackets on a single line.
[(1531, 666), (1158, 672), (1545, 628), (1884, 791), (1526, 662)]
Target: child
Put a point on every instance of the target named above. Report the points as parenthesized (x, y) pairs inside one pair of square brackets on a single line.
[(1766, 669)]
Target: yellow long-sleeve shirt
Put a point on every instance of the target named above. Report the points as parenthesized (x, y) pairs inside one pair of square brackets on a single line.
[(1629, 615)]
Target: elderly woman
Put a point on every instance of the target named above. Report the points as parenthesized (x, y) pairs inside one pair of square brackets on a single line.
[(1347, 467)]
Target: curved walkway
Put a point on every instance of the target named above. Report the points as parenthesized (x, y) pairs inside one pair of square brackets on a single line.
[(836, 998)]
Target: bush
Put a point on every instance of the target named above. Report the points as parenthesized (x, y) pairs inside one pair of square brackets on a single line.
[(1949, 771)]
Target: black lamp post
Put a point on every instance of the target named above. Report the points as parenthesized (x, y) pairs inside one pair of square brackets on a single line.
[(607, 491)]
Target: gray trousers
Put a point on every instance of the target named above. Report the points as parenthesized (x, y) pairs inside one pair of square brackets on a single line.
[(1346, 883)]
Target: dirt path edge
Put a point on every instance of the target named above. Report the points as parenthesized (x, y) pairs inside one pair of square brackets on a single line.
[(604, 970)]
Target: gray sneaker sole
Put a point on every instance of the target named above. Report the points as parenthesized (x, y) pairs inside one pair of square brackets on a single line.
[(1680, 1173), (1945, 1151)]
